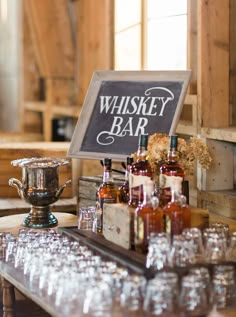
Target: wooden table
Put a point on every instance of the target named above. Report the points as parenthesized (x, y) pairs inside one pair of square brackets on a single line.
[(13, 278), (14, 223), (13, 206)]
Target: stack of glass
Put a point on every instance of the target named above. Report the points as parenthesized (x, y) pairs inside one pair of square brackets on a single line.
[(80, 282)]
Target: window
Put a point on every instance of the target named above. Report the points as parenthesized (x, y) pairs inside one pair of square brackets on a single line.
[(150, 34)]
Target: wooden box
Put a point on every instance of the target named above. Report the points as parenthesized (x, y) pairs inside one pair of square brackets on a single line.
[(88, 186), (117, 222), (12, 151)]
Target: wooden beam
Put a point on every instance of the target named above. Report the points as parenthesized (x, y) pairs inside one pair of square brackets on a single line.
[(52, 37), (192, 44), (213, 62), (232, 92), (95, 40)]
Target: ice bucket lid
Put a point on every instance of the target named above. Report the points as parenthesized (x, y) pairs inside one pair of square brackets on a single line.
[(40, 162)]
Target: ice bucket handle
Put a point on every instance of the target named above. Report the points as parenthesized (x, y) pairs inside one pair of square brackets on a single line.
[(16, 183), (61, 188)]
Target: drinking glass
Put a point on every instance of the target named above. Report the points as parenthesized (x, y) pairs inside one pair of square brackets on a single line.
[(161, 295), (132, 296), (4, 238), (223, 285), (215, 247), (11, 247), (182, 251), (220, 227), (159, 251), (231, 250), (86, 220), (98, 299), (193, 299), (196, 235)]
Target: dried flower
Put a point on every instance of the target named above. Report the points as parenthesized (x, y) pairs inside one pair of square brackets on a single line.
[(195, 150)]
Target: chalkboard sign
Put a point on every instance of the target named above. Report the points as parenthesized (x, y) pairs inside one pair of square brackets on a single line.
[(121, 105)]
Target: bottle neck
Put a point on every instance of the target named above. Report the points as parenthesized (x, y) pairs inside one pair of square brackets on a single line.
[(142, 153), (172, 155), (148, 195), (127, 171), (175, 195), (107, 175)]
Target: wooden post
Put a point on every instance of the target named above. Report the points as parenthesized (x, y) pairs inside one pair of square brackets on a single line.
[(95, 40), (213, 62), (8, 299)]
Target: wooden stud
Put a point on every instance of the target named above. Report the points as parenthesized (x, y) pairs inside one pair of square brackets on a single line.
[(95, 34), (213, 62)]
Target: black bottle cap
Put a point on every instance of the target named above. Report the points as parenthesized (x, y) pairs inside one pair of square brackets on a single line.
[(129, 160), (174, 142), (107, 162), (143, 140)]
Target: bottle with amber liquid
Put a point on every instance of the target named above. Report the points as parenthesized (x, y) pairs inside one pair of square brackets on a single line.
[(169, 171), (108, 192), (148, 218), (173, 212), (186, 212), (124, 188), (140, 172)]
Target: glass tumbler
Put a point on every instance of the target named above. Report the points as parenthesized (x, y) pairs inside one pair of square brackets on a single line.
[(86, 220), (215, 247), (193, 299), (161, 295), (223, 286), (182, 251), (231, 250), (132, 295), (158, 256)]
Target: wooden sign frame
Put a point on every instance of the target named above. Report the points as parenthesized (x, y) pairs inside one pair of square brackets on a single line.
[(157, 97)]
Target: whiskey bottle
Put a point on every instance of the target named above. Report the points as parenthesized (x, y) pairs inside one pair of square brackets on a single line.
[(108, 192), (186, 212), (140, 172), (169, 171), (124, 188), (148, 218), (173, 212)]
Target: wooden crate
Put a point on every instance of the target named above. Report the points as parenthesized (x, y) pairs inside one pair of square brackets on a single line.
[(16, 150), (88, 186), (118, 218)]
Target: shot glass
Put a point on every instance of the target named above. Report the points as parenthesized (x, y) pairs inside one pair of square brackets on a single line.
[(87, 218), (193, 300), (159, 251)]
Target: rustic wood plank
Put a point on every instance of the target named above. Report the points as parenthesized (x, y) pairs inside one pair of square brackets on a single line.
[(222, 202), (219, 176), (192, 44), (52, 37), (118, 220), (94, 39), (232, 60), (213, 61)]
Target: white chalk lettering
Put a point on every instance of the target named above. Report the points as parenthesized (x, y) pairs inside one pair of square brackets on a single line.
[(154, 102), (121, 129)]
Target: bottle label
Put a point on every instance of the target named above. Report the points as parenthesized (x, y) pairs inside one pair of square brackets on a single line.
[(167, 183), (167, 223), (139, 232), (99, 211), (136, 187)]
